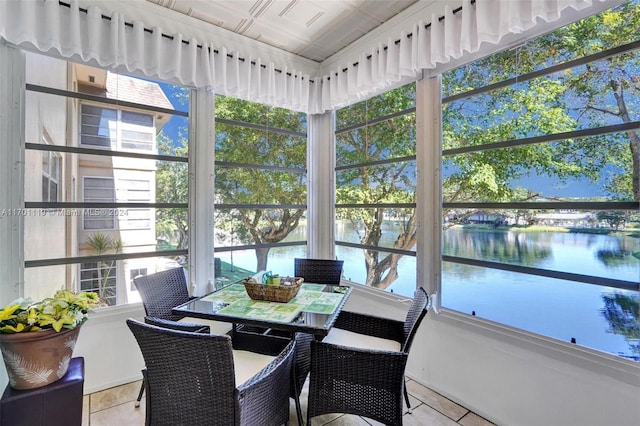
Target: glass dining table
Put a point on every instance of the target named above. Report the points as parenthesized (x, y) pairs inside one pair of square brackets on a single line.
[(313, 310)]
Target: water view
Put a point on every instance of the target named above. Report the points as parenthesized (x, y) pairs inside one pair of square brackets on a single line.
[(593, 316)]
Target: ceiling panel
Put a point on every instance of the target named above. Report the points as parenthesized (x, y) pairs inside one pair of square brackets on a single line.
[(313, 29)]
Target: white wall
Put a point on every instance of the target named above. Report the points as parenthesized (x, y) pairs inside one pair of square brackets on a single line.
[(524, 380), (111, 354), (515, 378)]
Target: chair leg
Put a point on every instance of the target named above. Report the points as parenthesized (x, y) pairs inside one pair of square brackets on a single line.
[(406, 398), (298, 409), (140, 393)]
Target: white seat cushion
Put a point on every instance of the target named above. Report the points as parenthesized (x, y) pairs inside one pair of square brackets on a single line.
[(338, 336), (217, 327), (246, 364)]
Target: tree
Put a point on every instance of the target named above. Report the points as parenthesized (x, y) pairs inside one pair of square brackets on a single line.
[(259, 168), (588, 96), (172, 179), (607, 91), (615, 218), (252, 176)]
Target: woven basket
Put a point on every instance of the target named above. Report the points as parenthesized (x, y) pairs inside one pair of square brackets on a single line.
[(273, 293)]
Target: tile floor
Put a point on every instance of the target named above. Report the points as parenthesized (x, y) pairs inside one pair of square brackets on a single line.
[(116, 407)]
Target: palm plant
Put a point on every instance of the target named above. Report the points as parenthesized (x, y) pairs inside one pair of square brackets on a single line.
[(101, 244)]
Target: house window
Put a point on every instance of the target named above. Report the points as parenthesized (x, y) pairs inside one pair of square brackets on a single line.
[(540, 185), (134, 190), (50, 175), (137, 131), (99, 190), (375, 191), (116, 129), (102, 190)]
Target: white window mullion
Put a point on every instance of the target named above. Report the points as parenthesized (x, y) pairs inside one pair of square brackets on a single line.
[(429, 199), (201, 181), (321, 188)]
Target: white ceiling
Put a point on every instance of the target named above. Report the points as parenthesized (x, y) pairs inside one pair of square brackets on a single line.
[(313, 29)]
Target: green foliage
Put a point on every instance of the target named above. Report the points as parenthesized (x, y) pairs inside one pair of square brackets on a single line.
[(172, 186), (65, 310)]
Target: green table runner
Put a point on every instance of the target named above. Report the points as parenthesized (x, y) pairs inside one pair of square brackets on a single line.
[(261, 310), (310, 298)]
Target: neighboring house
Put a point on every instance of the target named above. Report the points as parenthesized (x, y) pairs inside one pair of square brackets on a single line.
[(570, 220), (482, 217), (81, 177)]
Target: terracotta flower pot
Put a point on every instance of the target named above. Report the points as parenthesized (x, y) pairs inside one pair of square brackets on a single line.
[(37, 358)]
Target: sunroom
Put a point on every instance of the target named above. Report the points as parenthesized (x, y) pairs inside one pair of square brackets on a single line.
[(486, 151)]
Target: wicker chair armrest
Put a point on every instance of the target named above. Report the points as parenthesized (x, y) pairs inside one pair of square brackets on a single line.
[(385, 328), (181, 326), (264, 398)]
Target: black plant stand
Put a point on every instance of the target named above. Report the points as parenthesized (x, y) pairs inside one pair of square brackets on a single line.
[(59, 403)]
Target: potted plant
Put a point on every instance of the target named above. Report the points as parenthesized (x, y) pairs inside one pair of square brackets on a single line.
[(37, 338)]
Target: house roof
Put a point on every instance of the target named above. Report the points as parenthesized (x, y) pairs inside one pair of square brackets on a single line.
[(128, 89)]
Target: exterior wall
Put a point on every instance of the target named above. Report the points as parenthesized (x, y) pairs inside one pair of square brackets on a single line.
[(45, 230)]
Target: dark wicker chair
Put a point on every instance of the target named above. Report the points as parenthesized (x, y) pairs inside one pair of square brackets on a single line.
[(364, 376), (174, 325), (321, 271), (161, 292), (192, 380)]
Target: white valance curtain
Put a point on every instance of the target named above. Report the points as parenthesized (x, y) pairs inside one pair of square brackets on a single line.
[(434, 41), (102, 36)]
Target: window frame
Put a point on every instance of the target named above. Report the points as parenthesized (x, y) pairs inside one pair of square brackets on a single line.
[(33, 207), (371, 164), (476, 323), (220, 164), (88, 215)]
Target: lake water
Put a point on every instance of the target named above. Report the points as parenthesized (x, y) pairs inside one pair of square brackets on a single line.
[(561, 309)]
